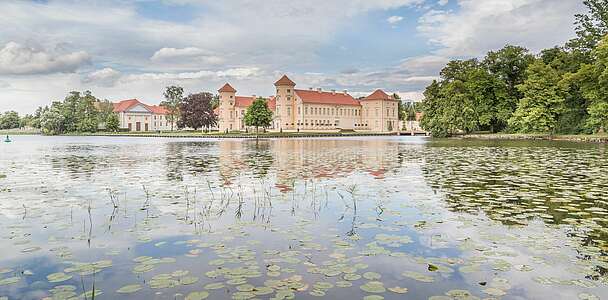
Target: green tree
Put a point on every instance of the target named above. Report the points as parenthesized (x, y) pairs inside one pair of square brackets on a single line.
[(487, 100), (593, 80), (565, 63), (10, 120), (590, 27), (174, 96), (215, 102), (509, 65), (52, 119), (258, 114), (112, 122), (541, 104), (197, 111), (86, 118), (105, 108), (401, 109), (35, 122), (433, 106)]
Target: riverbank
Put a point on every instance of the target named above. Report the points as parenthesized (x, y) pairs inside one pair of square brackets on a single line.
[(597, 138), (19, 132), (193, 134)]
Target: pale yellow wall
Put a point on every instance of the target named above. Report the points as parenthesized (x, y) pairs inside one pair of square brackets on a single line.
[(227, 113), (378, 113), (285, 114), (155, 122)]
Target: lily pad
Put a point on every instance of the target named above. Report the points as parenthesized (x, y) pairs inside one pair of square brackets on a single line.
[(129, 289), (197, 296), (58, 277)]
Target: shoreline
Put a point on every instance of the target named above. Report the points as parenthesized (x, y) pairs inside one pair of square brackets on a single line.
[(597, 139), (224, 135)]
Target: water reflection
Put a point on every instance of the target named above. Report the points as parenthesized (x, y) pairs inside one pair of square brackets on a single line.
[(375, 217)]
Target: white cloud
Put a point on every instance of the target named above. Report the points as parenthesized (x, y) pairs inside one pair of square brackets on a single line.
[(424, 65), (187, 55), (443, 2), (481, 25), (394, 19), (103, 77), (239, 73), (236, 73), (170, 53), (17, 59)]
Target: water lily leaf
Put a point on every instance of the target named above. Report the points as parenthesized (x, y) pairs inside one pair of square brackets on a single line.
[(129, 289), (187, 280), (373, 287), (9, 280), (418, 276), (371, 276), (398, 290), (197, 296), (214, 286), (58, 277), (586, 296)]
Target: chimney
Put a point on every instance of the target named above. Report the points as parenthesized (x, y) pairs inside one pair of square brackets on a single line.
[(254, 97), (333, 92), (345, 92), (319, 90)]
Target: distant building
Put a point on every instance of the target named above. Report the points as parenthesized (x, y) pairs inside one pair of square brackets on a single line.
[(312, 110), (137, 116)]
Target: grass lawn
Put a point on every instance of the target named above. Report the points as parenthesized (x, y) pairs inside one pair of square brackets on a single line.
[(230, 134)]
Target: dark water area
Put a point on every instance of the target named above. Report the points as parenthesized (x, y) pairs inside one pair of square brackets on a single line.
[(338, 218)]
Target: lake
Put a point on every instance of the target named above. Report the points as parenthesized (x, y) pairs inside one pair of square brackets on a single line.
[(341, 218)]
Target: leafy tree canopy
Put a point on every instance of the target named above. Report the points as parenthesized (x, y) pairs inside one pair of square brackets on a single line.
[(174, 96), (258, 114), (197, 111)]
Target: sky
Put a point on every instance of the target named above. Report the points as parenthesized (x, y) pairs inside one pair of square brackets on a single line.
[(120, 49)]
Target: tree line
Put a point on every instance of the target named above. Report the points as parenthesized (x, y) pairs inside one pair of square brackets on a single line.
[(562, 90), (82, 112)]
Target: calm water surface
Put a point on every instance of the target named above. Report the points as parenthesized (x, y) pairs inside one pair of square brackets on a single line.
[(361, 218)]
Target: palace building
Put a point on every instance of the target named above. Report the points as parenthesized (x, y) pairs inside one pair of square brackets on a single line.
[(312, 110), (137, 116)]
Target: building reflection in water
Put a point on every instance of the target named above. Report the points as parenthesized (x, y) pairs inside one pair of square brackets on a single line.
[(301, 159)]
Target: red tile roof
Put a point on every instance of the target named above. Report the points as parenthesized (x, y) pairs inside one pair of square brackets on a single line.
[(284, 81), (125, 105), (335, 98), (227, 88), (243, 101), (247, 101), (379, 95), (272, 103), (157, 109)]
